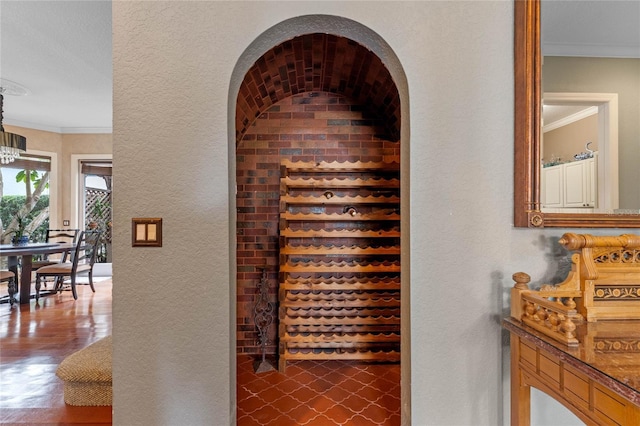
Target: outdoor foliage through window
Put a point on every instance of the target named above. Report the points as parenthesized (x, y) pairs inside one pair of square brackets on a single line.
[(24, 197)]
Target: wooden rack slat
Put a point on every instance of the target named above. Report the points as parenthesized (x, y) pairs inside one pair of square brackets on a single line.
[(319, 269), (339, 251), (340, 287), (346, 321), (338, 200), (342, 328), (338, 233), (345, 304), (342, 217), (326, 183)]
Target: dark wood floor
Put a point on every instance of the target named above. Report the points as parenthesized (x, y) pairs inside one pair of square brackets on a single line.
[(34, 339)]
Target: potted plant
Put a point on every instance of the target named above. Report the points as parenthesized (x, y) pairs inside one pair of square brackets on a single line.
[(20, 236)]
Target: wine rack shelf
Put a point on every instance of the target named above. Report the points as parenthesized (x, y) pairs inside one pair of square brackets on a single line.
[(339, 290)]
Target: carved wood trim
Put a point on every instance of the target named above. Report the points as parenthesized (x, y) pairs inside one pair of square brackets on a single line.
[(527, 102)]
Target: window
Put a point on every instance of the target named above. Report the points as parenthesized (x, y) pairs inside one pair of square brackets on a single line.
[(97, 203), (24, 180)]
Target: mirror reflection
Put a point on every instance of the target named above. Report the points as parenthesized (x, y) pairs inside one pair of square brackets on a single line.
[(590, 136)]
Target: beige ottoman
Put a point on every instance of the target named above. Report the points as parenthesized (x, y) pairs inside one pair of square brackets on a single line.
[(87, 375)]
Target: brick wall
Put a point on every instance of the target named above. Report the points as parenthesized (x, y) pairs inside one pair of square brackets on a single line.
[(319, 62), (313, 126)]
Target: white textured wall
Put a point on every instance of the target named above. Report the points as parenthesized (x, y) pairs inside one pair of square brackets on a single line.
[(173, 71)]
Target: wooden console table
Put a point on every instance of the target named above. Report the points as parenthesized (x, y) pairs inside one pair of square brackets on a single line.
[(598, 379), (579, 340)]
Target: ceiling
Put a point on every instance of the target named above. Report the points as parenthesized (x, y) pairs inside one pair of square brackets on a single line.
[(608, 28), (600, 28), (60, 51)]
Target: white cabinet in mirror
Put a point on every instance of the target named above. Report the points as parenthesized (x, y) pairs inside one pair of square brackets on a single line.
[(570, 187)]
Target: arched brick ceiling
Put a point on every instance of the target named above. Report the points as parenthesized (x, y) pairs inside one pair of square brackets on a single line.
[(319, 62)]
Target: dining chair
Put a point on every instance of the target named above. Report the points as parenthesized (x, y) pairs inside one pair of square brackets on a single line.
[(56, 236), (83, 257), (10, 278)]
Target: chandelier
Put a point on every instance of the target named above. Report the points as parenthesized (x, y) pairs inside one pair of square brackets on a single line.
[(11, 145)]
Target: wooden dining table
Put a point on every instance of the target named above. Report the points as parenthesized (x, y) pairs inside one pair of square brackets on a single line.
[(26, 253)]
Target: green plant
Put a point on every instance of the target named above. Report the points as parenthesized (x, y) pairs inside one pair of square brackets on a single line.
[(30, 176), (21, 228), (10, 205), (99, 218)]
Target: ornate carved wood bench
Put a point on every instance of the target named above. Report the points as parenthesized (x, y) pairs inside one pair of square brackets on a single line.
[(604, 284)]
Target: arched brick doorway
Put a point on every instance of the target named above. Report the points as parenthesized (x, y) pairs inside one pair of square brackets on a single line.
[(315, 97)]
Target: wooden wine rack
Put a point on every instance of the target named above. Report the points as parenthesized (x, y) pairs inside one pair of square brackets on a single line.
[(339, 292)]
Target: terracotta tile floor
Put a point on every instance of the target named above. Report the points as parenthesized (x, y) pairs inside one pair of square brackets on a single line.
[(319, 393)]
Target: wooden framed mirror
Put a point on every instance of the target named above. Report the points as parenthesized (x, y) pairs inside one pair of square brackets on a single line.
[(527, 133)]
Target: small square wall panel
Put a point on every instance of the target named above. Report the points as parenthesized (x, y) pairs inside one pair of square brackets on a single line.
[(146, 232)]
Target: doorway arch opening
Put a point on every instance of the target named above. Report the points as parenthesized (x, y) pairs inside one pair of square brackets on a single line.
[(316, 90)]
